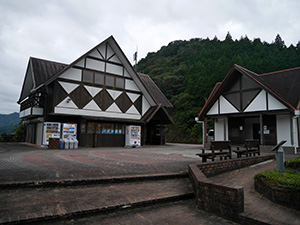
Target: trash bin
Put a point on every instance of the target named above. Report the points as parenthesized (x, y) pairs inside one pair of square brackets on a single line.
[(71, 141), (61, 143), (54, 143), (67, 143), (75, 144)]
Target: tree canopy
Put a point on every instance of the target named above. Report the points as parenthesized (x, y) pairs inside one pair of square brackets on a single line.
[(186, 72)]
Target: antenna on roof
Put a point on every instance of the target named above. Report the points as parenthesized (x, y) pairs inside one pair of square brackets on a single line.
[(135, 58)]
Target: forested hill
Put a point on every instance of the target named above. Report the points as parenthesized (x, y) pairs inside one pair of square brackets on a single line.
[(186, 72), (9, 122)]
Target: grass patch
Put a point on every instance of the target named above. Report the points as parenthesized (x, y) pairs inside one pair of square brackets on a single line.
[(289, 180)]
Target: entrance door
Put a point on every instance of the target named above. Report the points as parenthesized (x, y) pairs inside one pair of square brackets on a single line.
[(256, 133), (105, 134)]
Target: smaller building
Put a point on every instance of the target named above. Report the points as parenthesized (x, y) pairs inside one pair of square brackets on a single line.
[(100, 92), (246, 105)]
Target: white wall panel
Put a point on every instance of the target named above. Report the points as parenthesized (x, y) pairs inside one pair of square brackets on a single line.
[(92, 105), (115, 59), (130, 85), (114, 94), (226, 106), (283, 129), (68, 103), (80, 63), (133, 110), (259, 103), (114, 69), (72, 74), (219, 130), (68, 87), (114, 108), (92, 90), (94, 64), (274, 104), (214, 110), (126, 74), (96, 54), (145, 106), (94, 113), (133, 96)]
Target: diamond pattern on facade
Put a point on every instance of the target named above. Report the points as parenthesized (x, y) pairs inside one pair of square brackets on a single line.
[(139, 104), (123, 102), (80, 96), (103, 100), (59, 94)]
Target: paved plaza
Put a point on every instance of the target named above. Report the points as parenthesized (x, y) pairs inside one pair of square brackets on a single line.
[(159, 193), (21, 162)]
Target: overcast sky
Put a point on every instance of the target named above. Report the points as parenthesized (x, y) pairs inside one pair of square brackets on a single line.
[(63, 30)]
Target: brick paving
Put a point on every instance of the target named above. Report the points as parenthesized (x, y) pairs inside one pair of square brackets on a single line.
[(38, 164), (37, 202), (256, 206), (22, 163), (179, 212)]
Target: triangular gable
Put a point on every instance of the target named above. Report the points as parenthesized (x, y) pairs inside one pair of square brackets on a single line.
[(252, 95), (113, 61), (222, 106), (259, 103)]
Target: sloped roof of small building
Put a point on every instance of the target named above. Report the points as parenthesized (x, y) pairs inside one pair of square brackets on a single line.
[(283, 85)]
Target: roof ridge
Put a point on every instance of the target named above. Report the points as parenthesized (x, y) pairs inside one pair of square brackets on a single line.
[(279, 71), (31, 57)]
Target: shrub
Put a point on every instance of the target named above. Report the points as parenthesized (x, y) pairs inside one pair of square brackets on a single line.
[(289, 180), (293, 163)]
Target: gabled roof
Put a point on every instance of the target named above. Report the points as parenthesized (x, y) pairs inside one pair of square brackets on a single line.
[(44, 72), (158, 96), (38, 72), (281, 84)]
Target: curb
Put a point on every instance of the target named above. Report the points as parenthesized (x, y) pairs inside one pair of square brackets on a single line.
[(70, 182), (86, 210)]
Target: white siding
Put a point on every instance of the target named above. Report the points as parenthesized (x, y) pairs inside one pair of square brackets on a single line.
[(94, 64), (283, 129), (72, 74), (259, 103), (221, 129), (226, 106)]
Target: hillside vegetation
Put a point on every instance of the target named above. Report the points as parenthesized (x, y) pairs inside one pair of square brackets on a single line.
[(186, 72), (9, 122)]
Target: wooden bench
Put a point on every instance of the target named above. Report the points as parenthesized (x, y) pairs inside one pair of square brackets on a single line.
[(252, 147), (217, 148)]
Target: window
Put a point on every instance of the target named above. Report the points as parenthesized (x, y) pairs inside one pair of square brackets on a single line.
[(110, 81), (119, 129), (87, 76), (108, 128), (99, 78), (98, 128), (91, 128), (120, 82)]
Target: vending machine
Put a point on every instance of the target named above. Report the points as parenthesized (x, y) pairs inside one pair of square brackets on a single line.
[(69, 131), (133, 136), (50, 130), (69, 135)]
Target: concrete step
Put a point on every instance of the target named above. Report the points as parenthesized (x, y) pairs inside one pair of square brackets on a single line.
[(23, 205)]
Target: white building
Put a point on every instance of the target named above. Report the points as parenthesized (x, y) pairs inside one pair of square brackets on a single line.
[(246, 105)]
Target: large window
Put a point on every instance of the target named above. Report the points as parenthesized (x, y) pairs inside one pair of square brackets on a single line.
[(98, 78)]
